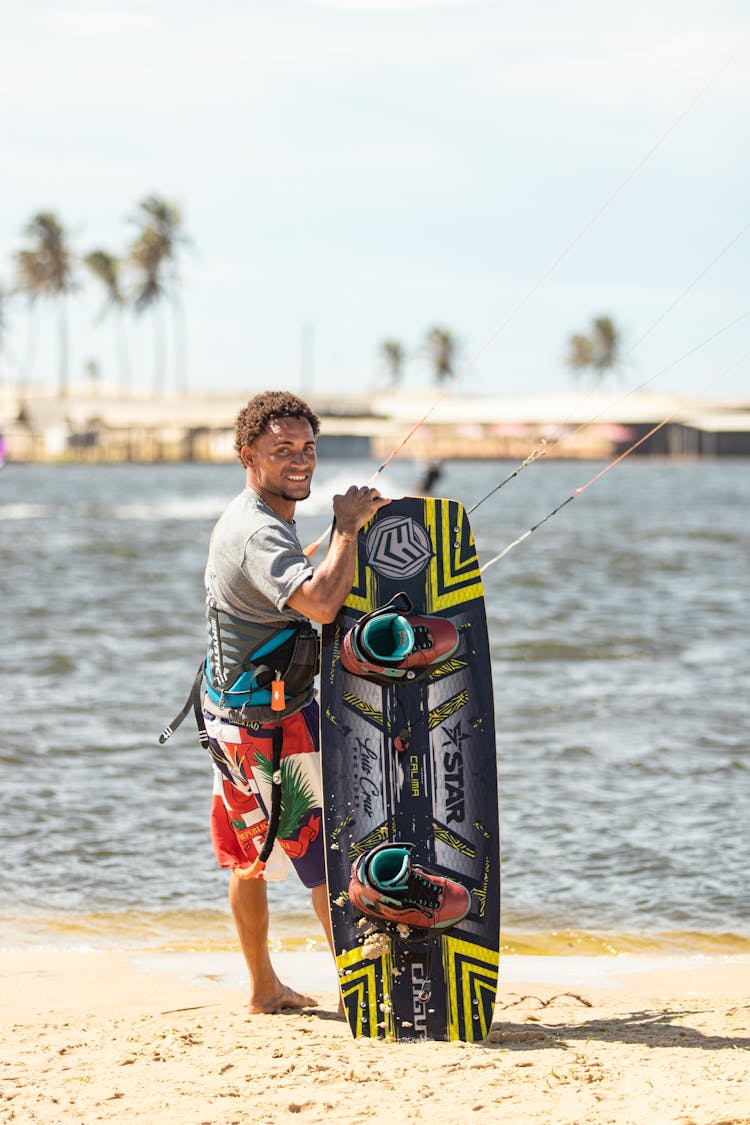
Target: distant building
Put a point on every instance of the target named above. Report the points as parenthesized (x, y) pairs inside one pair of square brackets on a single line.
[(106, 426)]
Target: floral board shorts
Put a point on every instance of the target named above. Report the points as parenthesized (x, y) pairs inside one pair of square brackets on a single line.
[(242, 795)]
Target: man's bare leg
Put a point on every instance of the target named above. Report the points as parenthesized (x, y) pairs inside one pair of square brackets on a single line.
[(320, 905), (249, 903)]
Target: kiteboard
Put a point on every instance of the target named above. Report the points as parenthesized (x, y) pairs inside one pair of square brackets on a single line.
[(412, 761)]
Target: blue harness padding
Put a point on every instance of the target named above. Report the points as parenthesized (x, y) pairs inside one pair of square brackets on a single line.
[(245, 690), (245, 673)]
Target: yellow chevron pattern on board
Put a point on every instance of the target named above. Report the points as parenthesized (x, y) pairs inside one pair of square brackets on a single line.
[(444, 711), (453, 665), (359, 986), (452, 840), (471, 986), (454, 574), (364, 592), (372, 839), (372, 714)]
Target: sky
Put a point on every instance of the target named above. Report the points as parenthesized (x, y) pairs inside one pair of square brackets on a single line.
[(351, 171)]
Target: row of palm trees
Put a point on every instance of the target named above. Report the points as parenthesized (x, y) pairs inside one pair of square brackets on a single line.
[(146, 277), (594, 354), (440, 346), (142, 279)]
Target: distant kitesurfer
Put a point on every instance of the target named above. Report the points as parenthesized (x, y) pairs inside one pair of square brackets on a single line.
[(431, 476), (260, 715)]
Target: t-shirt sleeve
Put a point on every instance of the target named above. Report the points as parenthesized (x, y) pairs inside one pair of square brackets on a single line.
[(275, 564)]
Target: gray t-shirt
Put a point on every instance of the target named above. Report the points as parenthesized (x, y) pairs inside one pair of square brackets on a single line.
[(255, 562)]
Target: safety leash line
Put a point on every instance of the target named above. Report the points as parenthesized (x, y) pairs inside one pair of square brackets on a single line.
[(544, 446), (602, 472), (603, 207), (516, 309), (699, 277), (633, 347)]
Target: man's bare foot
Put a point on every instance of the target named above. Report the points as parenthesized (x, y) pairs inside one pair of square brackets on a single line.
[(283, 998)]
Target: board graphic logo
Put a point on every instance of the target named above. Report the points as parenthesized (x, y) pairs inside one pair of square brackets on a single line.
[(420, 993), (398, 548)]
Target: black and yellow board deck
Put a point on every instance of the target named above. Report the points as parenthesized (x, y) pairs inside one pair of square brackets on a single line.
[(415, 763)]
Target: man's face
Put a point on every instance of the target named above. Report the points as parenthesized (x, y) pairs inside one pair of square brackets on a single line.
[(282, 460)]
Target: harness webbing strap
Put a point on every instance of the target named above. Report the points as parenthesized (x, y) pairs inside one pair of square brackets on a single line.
[(193, 700), (273, 821), (257, 867), (295, 660), (277, 746)]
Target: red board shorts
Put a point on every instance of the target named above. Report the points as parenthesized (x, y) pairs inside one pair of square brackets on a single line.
[(242, 795)]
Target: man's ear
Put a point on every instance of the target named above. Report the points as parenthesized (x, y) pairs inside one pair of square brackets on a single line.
[(246, 453)]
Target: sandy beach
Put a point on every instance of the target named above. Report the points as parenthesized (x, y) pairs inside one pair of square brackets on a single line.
[(105, 1036)]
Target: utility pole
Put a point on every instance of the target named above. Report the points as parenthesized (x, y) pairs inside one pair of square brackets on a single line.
[(307, 359)]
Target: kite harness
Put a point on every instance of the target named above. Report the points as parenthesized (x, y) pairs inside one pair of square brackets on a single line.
[(254, 675)]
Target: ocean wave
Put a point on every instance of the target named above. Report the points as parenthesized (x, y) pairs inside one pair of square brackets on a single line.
[(22, 511), (172, 508), (209, 507)]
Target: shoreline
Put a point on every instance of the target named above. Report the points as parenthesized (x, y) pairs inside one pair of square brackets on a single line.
[(211, 931), (224, 973), (576, 1040), (314, 971)]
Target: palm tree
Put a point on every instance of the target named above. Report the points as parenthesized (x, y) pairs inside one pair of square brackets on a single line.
[(598, 352), (107, 269), (442, 349), (153, 256), (393, 354), (47, 269), (3, 323)]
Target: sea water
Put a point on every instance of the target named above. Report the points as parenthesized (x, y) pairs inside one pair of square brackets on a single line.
[(620, 637)]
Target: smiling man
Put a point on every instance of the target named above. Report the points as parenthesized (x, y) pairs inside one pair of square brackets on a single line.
[(259, 708)]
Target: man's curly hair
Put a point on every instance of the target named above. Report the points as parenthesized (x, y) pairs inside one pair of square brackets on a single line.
[(254, 418)]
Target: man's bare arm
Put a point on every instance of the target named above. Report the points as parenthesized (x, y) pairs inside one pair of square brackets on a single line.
[(321, 595)]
